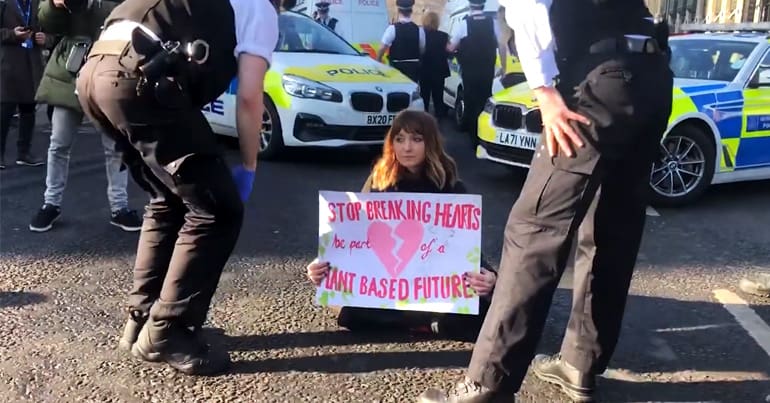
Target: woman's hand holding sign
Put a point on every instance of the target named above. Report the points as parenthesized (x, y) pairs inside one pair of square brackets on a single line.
[(483, 283), (316, 271)]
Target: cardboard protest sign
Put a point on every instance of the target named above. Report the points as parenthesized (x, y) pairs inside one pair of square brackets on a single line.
[(405, 251)]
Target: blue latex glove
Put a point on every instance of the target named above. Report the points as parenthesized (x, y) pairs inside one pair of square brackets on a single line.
[(244, 181)]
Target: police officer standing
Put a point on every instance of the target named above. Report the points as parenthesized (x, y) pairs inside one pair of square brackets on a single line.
[(476, 41), (406, 42), (323, 16), (146, 91), (602, 124)]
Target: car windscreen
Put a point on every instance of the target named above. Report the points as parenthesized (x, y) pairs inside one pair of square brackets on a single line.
[(709, 59), (298, 33)]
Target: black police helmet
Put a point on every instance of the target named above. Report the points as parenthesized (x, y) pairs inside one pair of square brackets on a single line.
[(404, 4)]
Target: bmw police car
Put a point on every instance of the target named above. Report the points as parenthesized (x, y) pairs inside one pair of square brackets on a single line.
[(320, 91), (719, 128)]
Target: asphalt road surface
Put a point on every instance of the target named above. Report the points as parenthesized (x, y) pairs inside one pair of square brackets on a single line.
[(689, 334)]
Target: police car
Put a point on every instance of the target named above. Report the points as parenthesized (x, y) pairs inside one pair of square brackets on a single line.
[(320, 91), (454, 14), (718, 131)]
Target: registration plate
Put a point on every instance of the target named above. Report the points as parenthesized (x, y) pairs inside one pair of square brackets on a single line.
[(517, 139), (379, 119)]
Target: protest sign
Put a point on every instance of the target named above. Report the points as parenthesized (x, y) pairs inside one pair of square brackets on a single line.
[(405, 251)]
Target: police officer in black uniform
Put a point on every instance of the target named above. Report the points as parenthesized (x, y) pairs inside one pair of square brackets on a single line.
[(156, 63), (477, 43), (406, 42), (602, 124), (323, 15)]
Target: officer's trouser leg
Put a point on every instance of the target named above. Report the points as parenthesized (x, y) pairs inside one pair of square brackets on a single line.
[(163, 218), (207, 237), (556, 197), (538, 239), (606, 252)]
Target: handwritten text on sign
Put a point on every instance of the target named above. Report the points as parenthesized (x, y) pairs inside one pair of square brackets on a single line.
[(399, 250)]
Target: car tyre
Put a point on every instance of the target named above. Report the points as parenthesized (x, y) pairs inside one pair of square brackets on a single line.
[(687, 157), (271, 138)]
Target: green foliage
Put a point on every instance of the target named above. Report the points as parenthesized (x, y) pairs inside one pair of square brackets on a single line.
[(474, 256)]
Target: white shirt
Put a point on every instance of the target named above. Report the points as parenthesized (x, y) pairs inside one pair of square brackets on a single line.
[(390, 34), (460, 30), (534, 39), (256, 28)]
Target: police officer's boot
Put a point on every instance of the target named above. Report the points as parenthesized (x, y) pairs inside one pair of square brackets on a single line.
[(134, 324), (578, 385), (180, 347)]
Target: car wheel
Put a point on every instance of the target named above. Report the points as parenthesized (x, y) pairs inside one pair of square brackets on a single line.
[(683, 168), (459, 110), (271, 137)]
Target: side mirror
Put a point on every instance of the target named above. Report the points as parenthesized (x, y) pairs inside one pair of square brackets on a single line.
[(754, 82)]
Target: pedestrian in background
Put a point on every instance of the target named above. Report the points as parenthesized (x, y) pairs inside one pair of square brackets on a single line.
[(434, 65), (77, 29), (21, 64)]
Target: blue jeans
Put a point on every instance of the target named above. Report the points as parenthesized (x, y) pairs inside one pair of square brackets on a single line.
[(64, 127)]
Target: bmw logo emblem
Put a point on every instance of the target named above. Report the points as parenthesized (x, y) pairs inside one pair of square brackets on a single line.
[(378, 89)]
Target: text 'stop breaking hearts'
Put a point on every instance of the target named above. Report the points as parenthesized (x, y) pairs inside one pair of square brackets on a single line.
[(399, 250)]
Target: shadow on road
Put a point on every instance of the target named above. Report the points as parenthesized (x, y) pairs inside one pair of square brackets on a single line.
[(20, 298), (357, 362), (673, 350)]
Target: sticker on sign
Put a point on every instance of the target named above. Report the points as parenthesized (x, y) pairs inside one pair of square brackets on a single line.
[(517, 139), (379, 119)]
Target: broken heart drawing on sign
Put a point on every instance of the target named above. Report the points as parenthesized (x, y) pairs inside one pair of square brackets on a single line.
[(384, 241)]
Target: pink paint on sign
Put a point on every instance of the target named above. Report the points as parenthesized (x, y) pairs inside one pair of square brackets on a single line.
[(383, 243)]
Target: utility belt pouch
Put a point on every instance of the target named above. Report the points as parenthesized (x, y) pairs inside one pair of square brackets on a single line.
[(165, 67), (157, 65), (77, 56)]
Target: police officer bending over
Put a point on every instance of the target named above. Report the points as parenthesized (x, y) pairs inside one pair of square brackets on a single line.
[(476, 42), (155, 65), (602, 124), (406, 42)]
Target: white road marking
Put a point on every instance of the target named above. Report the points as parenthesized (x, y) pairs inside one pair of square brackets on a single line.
[(746, 317), (652, 212), (693, 328), (685, 376)]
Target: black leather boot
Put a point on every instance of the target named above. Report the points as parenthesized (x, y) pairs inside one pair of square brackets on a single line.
[(467, 391), (553, 369), (180, 347), (134, 324)]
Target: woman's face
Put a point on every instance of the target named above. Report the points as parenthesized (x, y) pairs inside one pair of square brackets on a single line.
[(410, 150)]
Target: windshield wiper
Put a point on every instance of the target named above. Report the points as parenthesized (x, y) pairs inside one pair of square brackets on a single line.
[(327, 52)]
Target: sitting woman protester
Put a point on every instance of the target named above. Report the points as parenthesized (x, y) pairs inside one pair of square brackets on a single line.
[(414, 160)]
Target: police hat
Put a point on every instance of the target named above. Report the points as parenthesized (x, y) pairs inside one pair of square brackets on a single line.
[(404, 4), (477, 2), (322, 6)]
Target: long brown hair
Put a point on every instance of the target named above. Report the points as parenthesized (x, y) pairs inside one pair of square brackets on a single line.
[(438, 166)]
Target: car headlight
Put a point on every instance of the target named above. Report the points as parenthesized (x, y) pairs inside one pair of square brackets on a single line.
[(304, 88), (489, 107)]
